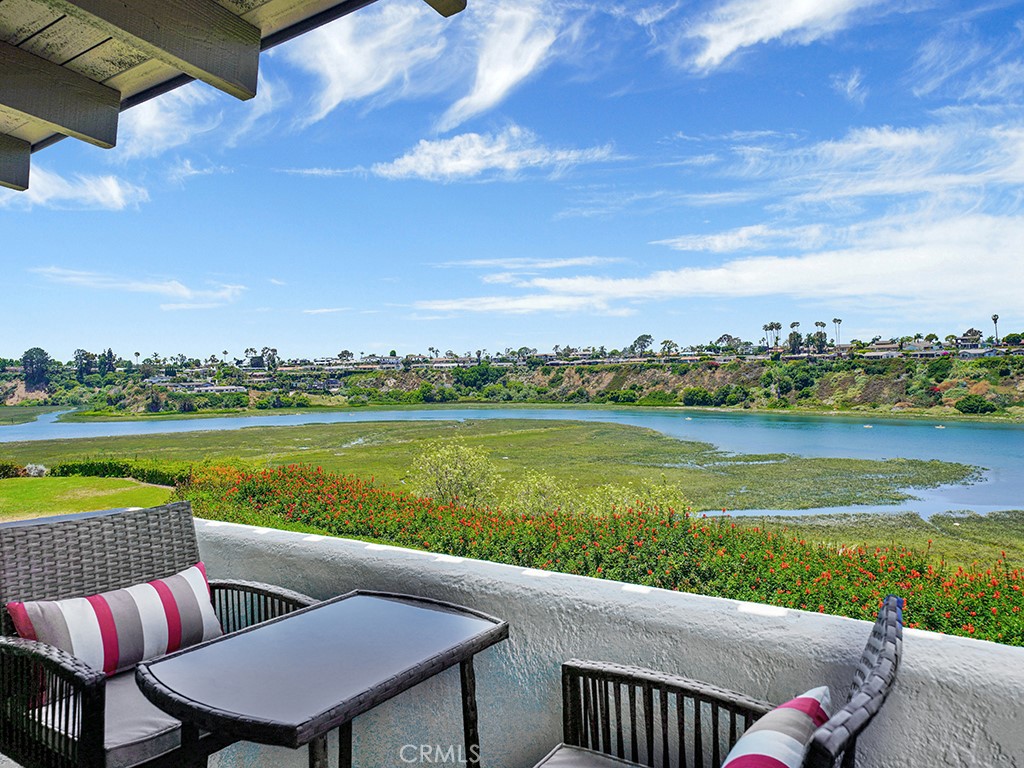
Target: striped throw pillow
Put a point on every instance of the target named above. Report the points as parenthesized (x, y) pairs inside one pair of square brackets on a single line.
[(780, 738), (115, 630)]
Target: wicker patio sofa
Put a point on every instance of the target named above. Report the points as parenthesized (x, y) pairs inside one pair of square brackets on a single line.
[(55, 710), (616, 716)]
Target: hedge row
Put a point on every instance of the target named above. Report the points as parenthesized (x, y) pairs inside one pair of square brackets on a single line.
[(144, 470)]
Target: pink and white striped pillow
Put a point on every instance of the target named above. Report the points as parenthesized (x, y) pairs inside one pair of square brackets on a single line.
[(115, 630), (780, 738)]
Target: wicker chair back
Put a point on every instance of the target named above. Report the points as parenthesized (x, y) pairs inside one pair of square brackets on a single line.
[(75, 555), (874, 676)]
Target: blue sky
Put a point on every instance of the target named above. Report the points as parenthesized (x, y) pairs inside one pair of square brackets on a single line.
[(540, 173)]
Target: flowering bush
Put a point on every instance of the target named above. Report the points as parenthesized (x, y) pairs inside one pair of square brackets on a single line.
[(642, 541)]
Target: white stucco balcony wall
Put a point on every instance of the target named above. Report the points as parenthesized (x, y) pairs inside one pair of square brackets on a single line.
[(956, 703)]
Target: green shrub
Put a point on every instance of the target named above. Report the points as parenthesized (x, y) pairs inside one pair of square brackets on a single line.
[(145, 471), (974, 404), (455, 473), (10, 469)]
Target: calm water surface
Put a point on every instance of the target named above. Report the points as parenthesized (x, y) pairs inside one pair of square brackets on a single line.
[(997, 448)]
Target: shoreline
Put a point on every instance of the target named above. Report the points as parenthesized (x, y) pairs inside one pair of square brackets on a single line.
[(949, 415)]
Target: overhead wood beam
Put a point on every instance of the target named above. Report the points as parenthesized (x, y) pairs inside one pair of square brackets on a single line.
[(14, 163), (65, 101), (447, 7), (197, 37)]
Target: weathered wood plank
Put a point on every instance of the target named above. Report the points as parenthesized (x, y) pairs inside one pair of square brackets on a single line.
[(14, 163), (197, 37), (63, 100), (63, 40), (20, 19), (108, 60), (447, 7)]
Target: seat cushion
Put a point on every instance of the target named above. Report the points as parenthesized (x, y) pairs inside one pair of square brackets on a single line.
[(565, 756), (780, 738), (114, 631), (136, 730)]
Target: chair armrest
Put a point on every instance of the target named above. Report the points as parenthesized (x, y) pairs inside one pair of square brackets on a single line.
[(240, 604), (52, 706), (647, 716)]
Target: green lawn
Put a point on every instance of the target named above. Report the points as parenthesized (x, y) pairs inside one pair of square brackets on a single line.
[(35, 496)]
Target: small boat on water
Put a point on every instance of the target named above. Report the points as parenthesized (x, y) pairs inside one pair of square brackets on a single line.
[(940, 426), (868, 426)]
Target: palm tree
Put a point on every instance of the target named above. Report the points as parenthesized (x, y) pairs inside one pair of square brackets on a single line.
[(819, 335), (837, 321), (995, 322)]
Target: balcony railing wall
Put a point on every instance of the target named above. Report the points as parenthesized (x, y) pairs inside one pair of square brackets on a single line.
[(956, 701)]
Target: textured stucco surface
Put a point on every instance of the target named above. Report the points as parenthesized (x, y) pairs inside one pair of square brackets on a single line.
[(957, 702)]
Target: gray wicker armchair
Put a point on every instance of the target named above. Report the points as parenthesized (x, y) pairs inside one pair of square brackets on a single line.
[(616, 716), (56, 711)]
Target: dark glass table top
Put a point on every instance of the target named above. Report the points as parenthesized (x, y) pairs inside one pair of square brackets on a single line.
[(292, 679)]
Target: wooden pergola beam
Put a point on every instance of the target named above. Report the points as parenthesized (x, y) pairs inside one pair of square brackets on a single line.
[(14, 163), (197, 37), (447, 7), (65, 101)]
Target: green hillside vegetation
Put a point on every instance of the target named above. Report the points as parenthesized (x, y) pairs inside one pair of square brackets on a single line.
[(945, 387)]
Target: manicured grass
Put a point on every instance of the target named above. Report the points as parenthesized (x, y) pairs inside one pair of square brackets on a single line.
[(36, 496), (22, 414), (580, 454)]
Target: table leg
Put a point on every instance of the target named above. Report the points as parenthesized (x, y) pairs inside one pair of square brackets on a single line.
[(345, 745), (318, 752), (193, 755), (469, 716)]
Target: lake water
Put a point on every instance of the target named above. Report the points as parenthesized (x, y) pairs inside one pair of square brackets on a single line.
[(997, 448)]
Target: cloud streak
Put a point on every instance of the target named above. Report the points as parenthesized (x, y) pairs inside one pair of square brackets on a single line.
[(186, 297), (88, 192), (892, 262), (168, 121), (471, 155), (368, 53), (740, 24), (514, 43)]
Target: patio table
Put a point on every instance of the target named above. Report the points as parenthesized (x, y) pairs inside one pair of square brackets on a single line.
[(291, 680)]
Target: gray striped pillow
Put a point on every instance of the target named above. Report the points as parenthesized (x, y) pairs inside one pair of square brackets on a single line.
[(113, 631)]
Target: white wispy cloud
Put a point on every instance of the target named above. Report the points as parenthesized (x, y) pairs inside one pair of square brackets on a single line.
[(324, 172), (326, 310), (532, 263), (51, 190), (893, 259), (472, 154), (893, 262), (739, 24), (514, 42), (516, 305), (184, 169), (943, 58), (167, 121), (753, 238), (369, 53), (851, 86), (270, 95), (185, 296)]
